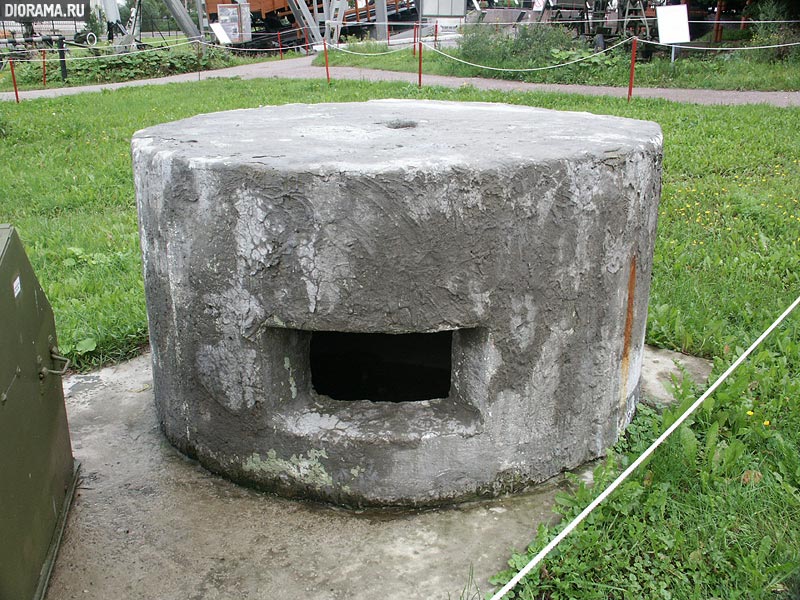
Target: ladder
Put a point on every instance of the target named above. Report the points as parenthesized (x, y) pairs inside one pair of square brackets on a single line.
[(635, 19)]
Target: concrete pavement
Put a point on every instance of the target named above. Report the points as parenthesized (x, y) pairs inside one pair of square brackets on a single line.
[(148, 523)]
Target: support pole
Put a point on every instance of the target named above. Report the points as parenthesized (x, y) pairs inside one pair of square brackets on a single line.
[(280, 45), (381, 21), (62, 58), (414, 43), (633, 68), (717, 24), (44, 68), (14, 79)]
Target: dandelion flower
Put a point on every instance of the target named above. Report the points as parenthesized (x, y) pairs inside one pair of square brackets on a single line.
[(766, 423), (750, 413)]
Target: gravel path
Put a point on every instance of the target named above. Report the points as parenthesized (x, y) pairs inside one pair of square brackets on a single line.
[(301, 68)]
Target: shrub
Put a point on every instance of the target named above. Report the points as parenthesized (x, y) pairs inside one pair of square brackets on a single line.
[(126, 67)]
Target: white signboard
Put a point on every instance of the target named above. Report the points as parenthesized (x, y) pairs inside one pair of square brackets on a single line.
[(673, 24), (235, 20), (444, 8)]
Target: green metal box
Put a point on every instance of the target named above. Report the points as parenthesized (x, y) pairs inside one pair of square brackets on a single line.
[(37, 472)]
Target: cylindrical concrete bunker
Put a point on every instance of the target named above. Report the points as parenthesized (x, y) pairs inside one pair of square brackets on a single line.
[(396, 302)]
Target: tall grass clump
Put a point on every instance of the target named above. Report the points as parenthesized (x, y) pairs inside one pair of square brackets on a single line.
[(767, 30), (523, 47)]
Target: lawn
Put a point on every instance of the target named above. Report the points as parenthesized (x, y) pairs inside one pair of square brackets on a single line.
[(716, 513)]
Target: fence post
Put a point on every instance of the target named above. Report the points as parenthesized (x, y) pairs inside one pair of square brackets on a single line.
[(44, 68), (280, 45), (14, 79), (327, 65), (633, 68), (420, 60)]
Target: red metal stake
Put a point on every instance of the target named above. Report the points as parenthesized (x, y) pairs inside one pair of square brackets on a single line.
[(436, 34), (327, 65), (633, 68), (280, 45), (420, 61), (414, 44), (44, 68), (14, 79)]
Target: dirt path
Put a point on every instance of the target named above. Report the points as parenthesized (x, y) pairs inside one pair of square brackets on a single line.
[(301, 68)]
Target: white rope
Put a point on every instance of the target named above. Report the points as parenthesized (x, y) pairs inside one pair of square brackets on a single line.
[(100, 56), (532, 69), (366, 53), (624, 475), (287, 48), (720, 48), (560, 22)]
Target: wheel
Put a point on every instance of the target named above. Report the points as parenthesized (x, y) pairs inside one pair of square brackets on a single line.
[(91, 39)]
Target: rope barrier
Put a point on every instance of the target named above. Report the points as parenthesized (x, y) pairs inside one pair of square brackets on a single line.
[(344, 50), (635, 464), (309, 46), (720, 48), (559, 22), (532, 69), (103, 56)]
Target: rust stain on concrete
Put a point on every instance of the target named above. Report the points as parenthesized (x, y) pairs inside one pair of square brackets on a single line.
[(626, 341)]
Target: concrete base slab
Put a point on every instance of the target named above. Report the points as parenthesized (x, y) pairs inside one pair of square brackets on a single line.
[(149, 523)]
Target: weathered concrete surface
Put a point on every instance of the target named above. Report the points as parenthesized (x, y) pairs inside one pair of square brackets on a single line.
[(527, 232), (660, 367), (149, 524)]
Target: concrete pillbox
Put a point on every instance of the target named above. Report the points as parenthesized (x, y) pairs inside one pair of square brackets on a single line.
[(396, 302)]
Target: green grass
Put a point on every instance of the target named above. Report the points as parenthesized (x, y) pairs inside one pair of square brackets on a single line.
[(726, 262), (734, 71)]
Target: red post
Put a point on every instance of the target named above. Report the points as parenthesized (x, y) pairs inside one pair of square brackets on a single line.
[(436, 34), (44, 68), (414, 44), (280, 45), (14, 79), (305, 34), (327, 65), (633, 68), (420, 61)]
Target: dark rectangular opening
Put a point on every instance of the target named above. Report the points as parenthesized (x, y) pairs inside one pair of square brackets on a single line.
[(381, 367)]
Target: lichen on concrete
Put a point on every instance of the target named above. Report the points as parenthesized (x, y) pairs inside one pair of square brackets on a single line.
[(306, 470)]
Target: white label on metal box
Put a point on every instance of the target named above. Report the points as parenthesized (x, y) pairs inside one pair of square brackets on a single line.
[(17, 286)]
